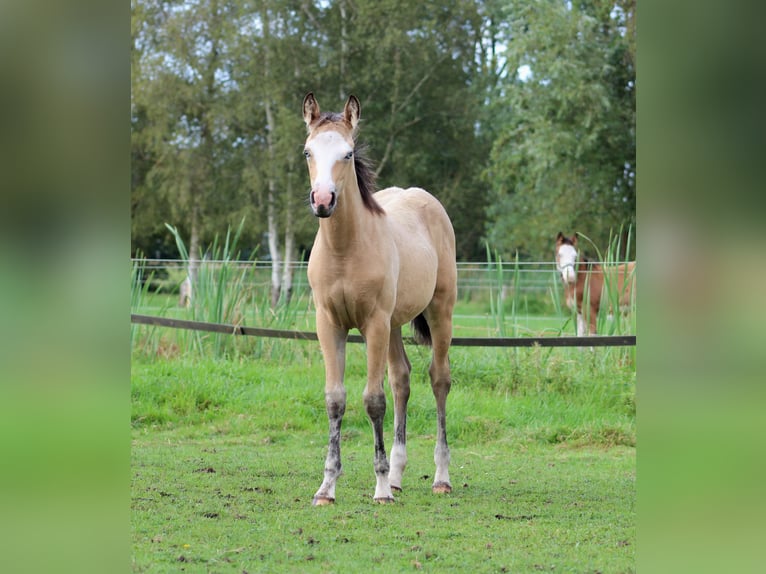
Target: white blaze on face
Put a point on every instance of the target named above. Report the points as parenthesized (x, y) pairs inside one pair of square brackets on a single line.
[(566, 259), (325, 150)]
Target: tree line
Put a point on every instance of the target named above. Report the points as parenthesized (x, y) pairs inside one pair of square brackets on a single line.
[(519, 115)]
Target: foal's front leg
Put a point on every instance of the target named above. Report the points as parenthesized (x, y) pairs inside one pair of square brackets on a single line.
[(376, 335), (333, 343)]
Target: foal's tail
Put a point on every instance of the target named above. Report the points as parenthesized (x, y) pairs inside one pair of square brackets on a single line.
[(421, 330)]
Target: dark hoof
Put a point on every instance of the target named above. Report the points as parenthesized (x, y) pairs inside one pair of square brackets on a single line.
[(396, 488), (387, 500), (441, 488), (322, 501)]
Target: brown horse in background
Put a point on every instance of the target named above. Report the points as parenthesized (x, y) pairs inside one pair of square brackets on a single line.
[(589, 282), (378, 261)]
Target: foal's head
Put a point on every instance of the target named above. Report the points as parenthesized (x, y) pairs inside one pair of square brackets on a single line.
[(332, 156), (566, 257)]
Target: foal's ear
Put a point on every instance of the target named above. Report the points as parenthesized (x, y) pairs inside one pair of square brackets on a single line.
[(310, 110), (574, 238), (352, 112), (559, 237)]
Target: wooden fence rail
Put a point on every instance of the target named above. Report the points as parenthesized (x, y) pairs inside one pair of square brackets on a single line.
[(592, 341)]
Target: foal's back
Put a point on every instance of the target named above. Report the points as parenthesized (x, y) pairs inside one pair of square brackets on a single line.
[(418, 219), (425, 246)]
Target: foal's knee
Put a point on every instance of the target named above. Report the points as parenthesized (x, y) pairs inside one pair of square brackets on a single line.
[(335, 402), (399, 373), (375, 404), (400, 383), (440, 378), (441, 387)]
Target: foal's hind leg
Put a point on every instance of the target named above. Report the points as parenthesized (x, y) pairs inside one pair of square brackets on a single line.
[(441, 381), (399, 369)]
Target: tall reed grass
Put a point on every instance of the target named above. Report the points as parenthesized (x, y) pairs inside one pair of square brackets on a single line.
[(224, 289), (510, 303), (139, 291), (497, 292)]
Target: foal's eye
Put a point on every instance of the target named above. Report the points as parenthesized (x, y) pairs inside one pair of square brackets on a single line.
[(349, 155), (306, 153)]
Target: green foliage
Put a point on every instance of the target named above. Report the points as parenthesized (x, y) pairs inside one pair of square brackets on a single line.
[(181, 117), (565, 156), (217, 129), (216, 126)]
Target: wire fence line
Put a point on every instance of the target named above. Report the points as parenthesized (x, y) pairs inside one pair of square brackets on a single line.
[(537, 276), (590, 341), (464, 266)]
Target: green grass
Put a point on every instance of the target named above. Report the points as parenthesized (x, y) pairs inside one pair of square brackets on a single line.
[(220, 503), (227, 454), (532, 393)]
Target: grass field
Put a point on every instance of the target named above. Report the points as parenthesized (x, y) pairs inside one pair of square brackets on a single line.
[(208, 502), (227, 453)]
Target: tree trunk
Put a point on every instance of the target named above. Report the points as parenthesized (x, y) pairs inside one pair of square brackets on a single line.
[(343, 49), (272, 214), (276, 285), (194, 243), (272, 210), (289, 261)]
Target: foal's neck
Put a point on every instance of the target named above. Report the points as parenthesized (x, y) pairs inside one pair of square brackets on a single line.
[(350, 224)]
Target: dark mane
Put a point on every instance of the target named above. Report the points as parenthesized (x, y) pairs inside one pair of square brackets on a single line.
[(327, 117), (365, 178)]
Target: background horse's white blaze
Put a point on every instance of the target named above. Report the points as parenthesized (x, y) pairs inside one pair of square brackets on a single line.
[(379, 260), (566, 260)]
